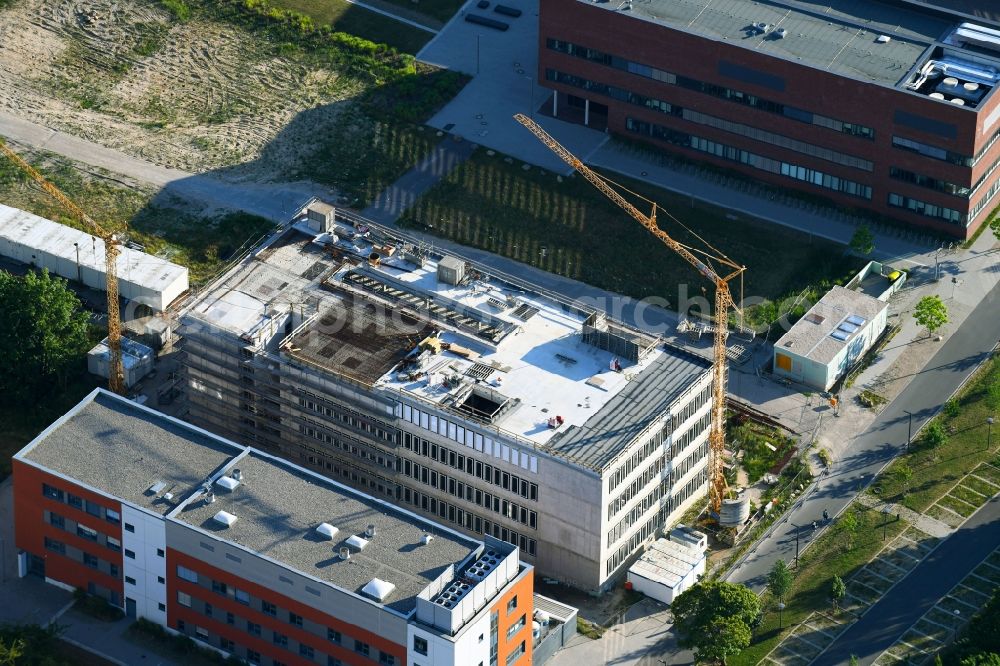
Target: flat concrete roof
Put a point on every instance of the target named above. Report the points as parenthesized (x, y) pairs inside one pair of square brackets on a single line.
[(811, 336), (278, 507), (122, 448), (838, 36), (668, 562)]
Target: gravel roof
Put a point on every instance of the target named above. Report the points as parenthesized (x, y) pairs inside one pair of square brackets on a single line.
[(278, 508), (121, 448)]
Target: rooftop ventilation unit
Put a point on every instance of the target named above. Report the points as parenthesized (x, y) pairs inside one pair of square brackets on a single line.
[(378, 589), (354, 541), (345, 553), (156, 488), (883, 39), (326, 530), (238, 475), (227, 482), (426, 539), (781, 33), (210, 497), (370, 531), (224, 518)]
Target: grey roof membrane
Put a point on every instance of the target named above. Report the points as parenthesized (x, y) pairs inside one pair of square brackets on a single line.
[(114, 445), (279, 507), (613, 427), (832, 35)]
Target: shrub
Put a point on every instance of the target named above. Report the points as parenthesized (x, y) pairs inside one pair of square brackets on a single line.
[(951, 408)]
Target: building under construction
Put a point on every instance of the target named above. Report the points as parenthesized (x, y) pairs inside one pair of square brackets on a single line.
[(477, 400)]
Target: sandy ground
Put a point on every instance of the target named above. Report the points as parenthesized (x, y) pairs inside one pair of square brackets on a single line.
[(193, 96)]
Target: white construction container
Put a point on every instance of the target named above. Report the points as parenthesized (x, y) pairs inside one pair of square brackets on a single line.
[(137, 360), (667, 568), (75, 255)]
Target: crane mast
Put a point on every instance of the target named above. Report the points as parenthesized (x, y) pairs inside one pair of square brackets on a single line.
[(723, 301), (112, 248)]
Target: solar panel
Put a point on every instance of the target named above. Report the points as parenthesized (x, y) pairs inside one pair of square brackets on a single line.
[(847, 327), (856, 320), (839, 335)]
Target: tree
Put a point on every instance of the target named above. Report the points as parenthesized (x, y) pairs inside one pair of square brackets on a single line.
[(779, 580), (9, 654), (935, 434), (931, 313), (44, 332), (837, 591), (715, 618), (849, 523), (995, 226), (854, 660), (982, 659), (903, 473), (863, 241)]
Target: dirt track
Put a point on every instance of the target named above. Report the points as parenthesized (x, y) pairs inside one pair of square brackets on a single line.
[(194, 96)]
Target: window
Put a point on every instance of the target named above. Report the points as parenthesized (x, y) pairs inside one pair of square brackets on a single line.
[(333, 636), (189, 575), (253, 628), (219, 587), (268, 608), (280, 640), (201, 633), (230, 618), (242, 596), (386, 659), (516, 627), (512, 604), (129, 527), (227, 645), (295, 619), (181, 626), (420, 645), (57, 521), (129, 580), (333, 661), (129, 554), (52, 492), (161, 580), (95, 509), (184, 599), (306, 651), (86, 532), (113, 543), (90, 560), (253, 656), (55, 546), (516, 654), (361, 648), (208, 610), (159, 552), (74, 501), (162, 607)]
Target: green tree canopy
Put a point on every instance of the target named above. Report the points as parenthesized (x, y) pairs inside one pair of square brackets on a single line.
[(931, 313), (837, 590), (935, 434), (779, 580), (863, 241), (995, 226), (715, 618), (44, 332), (982, 659)]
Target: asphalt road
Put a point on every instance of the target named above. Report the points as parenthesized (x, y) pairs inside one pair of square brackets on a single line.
[(914, 595), (960, 354)]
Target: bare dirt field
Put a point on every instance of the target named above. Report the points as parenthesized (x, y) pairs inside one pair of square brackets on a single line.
[(196, 96)]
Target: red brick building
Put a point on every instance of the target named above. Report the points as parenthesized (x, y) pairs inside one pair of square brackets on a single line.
[(887, 106), (254, 556)]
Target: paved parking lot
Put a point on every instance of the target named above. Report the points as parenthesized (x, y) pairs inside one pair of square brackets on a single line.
[(506, 83)]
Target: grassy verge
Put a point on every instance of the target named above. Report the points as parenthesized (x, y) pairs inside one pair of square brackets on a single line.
[(836, 552), (569, 228), (202, 244), (343, 16), (934, 470)]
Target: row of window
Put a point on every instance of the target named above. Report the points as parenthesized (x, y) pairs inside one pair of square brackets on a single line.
[(797, 172), (468, 520), (490, 502), (374, 483), (333, 636), (468, 464), (924, 208), (84, 532), (348, 417), (699, 118), (927, 150), (468, 437), (77, 555), (655, 522), (928, 182), (346, 444), (985, 200), (76, 502), (721, 92), (639, 456)]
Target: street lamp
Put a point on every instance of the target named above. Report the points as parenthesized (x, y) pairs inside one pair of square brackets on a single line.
[(989, 432), (885, 521), (797, 527), (909, 429), (781, 607)]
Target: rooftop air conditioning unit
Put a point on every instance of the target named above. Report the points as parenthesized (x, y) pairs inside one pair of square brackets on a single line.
[(426, 539)]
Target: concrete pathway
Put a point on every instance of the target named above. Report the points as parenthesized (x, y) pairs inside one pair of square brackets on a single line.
[(923, 523)]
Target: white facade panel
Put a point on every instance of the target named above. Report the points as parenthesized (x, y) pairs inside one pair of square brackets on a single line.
[(146, 542), (470, 649)]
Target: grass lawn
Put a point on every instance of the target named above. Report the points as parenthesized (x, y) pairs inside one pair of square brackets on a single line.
[(754, 439), (810, 592), (202, 244), (569, 228), (346, 17), (936, 470)]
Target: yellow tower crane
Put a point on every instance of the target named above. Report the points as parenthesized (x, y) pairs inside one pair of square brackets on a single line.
[(112, 248), (723, 300)]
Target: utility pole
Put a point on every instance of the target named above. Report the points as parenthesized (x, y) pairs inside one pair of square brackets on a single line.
[(989, 432), (909, 430), (797, 527)]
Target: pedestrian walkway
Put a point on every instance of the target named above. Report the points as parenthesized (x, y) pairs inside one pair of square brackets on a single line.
[(924, 523)]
